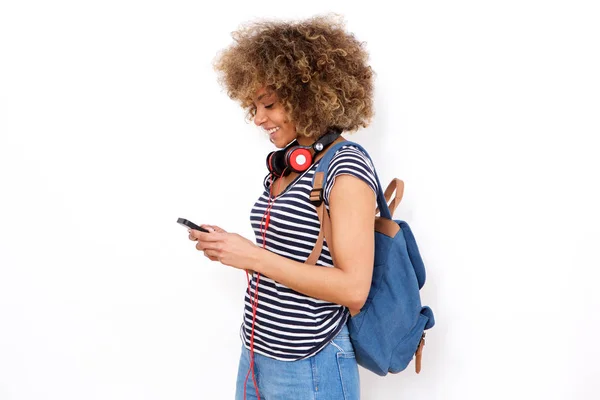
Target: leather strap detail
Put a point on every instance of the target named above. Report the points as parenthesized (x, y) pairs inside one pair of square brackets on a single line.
[(419, 354), (318, 181), (325, 232), (397, 186), (386, 226), (314, 256), (316, 194), (326, 228)]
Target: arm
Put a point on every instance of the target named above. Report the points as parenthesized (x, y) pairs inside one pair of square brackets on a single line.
[(352, 225)]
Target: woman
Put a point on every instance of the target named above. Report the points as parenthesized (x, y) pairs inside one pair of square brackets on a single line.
[(300, 81)]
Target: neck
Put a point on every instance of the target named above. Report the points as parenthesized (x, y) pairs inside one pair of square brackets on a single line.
[(309, 141), (305, 141)]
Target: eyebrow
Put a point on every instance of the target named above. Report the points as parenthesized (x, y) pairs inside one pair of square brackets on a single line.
[(263, 95)]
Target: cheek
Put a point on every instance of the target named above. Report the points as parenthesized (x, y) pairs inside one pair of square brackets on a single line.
[(287, 124), (290, 131)]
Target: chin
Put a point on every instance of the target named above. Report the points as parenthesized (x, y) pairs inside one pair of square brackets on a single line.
[(282, 143)]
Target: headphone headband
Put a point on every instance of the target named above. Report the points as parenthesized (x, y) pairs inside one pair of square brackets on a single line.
[(325, 140)]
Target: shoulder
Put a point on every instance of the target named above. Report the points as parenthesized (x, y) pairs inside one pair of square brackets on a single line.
[(351, 156), (349, 160)]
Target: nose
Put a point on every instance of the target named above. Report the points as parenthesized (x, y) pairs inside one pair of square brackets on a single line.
[(259, 117)]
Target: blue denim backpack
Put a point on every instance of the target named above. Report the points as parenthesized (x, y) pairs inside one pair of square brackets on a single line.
[(390, 328)]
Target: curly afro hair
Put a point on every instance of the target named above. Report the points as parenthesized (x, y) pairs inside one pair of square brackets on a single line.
[(318, 70)]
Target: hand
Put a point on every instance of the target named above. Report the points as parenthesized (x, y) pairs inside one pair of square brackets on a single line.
[(228, 248), (210, 228)]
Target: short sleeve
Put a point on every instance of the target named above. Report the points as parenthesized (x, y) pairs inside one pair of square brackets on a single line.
[(350, 161)]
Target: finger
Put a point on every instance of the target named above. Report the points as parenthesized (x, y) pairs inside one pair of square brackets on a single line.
[(190, 236), (212, 254), (209, 228), (198, 235), (214, 228), (204, 246), (207, 245), (211, 258), (208, 237)]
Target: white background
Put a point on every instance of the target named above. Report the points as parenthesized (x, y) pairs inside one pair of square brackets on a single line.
[(112, 125)]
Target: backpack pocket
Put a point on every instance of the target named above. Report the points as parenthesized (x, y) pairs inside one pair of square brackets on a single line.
[(404, 352)]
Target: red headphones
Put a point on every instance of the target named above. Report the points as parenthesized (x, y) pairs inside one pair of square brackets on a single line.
[(299, 158)]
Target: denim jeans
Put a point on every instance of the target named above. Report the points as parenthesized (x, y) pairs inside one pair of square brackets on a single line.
[(331, 374)]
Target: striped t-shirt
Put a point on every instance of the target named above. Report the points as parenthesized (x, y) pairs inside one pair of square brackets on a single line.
[(290, 325)]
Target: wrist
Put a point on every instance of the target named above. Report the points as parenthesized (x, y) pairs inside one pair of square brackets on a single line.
[(257, 259)]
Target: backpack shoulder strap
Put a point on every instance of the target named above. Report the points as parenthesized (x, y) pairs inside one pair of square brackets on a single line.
[(316, 197), (396, 187), (320, 178)]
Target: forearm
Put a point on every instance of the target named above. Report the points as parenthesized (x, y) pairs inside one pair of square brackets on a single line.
[(329, 284)]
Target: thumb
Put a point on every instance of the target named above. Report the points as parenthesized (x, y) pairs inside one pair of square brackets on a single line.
[(209, 228)]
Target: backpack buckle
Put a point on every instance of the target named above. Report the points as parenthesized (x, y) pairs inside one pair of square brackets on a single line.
[(316, 197)]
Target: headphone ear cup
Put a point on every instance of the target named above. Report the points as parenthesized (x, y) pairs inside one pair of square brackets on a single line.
[(276, 162), (299, 159)]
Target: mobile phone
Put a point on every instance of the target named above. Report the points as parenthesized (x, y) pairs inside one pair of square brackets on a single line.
[(190, 224)]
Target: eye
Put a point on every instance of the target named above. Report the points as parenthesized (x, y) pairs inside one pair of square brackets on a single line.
[(270, 105)]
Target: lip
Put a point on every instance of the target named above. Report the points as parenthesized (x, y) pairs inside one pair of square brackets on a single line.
[(268, 129)]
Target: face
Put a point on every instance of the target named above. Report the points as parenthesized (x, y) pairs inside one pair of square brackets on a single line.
[(272, 118)]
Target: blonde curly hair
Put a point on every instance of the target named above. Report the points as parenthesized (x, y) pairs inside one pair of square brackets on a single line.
[(318, 70)]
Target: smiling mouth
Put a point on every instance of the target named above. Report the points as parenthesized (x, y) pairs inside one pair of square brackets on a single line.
[(272, 131)]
